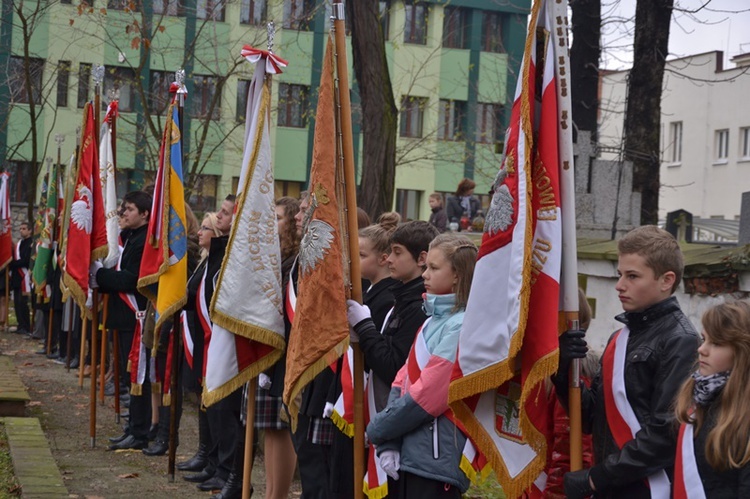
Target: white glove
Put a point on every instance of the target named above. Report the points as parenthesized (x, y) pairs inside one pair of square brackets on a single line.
[(356, 312), (264, 381), (328, 410), (390, 461), (93, 269), (90, 301)]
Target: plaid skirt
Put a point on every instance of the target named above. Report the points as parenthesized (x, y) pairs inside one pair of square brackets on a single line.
[(268, 410)]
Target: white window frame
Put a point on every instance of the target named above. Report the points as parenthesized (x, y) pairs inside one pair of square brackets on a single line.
[(675, 142), (721, 146), (744, 143)]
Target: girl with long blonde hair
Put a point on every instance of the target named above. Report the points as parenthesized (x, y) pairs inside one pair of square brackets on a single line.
[(713, 409)]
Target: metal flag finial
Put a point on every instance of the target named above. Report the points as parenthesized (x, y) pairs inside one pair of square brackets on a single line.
[(98, 74), (59, 138), (49, 161), (270, 32), (179, 77)]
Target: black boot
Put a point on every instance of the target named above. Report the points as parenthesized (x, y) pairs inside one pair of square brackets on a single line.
[(232, 489), (200, 459), (160, 445)]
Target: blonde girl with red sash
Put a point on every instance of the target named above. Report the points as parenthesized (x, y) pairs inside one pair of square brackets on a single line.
[(417, 439), (196, 329), (713, 409)]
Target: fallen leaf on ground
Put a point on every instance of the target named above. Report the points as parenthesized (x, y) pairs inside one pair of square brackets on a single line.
[(128, 475), (34, 403), (58, 397)]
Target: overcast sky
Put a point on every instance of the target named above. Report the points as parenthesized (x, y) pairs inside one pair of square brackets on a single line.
[(721, 25)]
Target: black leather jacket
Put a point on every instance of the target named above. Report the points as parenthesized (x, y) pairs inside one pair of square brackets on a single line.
[(662, 351)]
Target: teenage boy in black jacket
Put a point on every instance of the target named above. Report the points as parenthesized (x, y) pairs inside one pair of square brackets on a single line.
[(119, 281)]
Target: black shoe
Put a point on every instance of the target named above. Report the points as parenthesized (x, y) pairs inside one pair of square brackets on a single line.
[(157, 448), (117, 440), (195, 463), (214, 483), (52, 355), (232, 489), (199, 477), (130, 442), (41, 351), (74, 363)]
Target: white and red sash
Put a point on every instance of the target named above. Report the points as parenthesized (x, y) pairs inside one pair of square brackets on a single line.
[(375, 479), (137, 357), (23, 272), (203, 317), (473, 463), (187, 339), (621, 418), (687, 480)]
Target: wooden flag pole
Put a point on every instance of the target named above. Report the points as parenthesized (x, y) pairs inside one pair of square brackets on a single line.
[(174, 391), (347, 147), (174, 387), (69, 341), (116, 370), (103, 351), (82, 353), (569, 271), (98, 77)]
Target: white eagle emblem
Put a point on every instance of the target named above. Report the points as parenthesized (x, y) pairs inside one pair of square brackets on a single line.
[(500, 215), (314, 245), (80, 211)]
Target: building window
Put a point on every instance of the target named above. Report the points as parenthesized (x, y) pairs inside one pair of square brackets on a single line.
[(298, 14), (126, 5), (210, 9), (84, 83), (121, 81), (415, 28), (63, 77), (253, 12), (745, 142), (203, 98), (412, 115), (158, 95), (492, 32), (407, 204), (17, 80), (451, 117), (242, 88), (287, 188), (384, 10), (488, 126), (675, 142), (722, 145), (168, 7), (202, 192), (293, 105), (455, 28), (20, 179)]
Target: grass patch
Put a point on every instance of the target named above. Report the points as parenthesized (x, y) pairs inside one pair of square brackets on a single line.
[(489, 489), (8, 485)]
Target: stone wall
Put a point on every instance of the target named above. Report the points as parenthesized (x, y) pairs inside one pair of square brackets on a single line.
[(605, 201), (19, 216)]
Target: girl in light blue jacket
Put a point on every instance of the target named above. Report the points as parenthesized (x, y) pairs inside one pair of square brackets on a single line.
[(417, 442)]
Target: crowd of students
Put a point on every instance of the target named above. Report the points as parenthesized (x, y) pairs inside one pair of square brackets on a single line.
[(665, 406)]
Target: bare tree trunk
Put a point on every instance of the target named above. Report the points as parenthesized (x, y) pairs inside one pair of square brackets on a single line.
[(584, 63), (643, 113), (379, 111)]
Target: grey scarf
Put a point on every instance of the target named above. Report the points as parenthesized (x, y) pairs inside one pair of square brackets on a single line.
[(706, 388)]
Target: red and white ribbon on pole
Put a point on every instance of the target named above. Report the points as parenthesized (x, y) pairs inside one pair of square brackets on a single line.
[(274, 63)]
